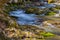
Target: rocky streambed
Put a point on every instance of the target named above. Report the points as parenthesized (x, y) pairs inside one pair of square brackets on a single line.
[(45, 23), (31, 26)]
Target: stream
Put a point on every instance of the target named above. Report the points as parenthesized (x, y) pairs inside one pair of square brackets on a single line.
[(28, 19), (23, 18), (31, 19)]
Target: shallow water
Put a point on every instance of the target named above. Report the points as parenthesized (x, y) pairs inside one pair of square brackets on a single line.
[(31, 19), (23, 18), (27, 19)]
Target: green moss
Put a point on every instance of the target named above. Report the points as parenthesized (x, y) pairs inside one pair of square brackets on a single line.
[(50, 13), (47, 34)]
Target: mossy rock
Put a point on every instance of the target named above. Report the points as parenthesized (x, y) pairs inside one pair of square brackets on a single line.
[(29, 10), (50, 13), (48, 34), (34, 10), (22, 6), (57, 7), (39, 12)]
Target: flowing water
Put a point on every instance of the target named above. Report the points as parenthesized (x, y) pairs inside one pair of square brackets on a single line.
[(23, 18), (31, 19)]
